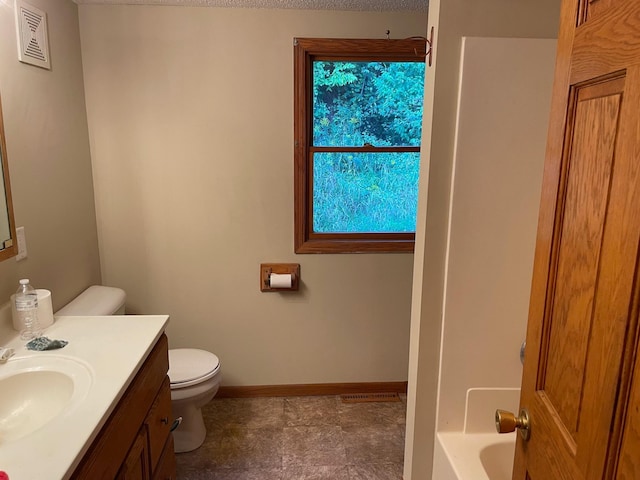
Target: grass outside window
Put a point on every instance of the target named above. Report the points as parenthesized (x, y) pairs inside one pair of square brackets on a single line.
[(358, 120)]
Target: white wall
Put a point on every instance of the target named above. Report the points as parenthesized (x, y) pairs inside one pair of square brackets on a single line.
[(48, 150), (452, 19), (191, 127), (503, 112)]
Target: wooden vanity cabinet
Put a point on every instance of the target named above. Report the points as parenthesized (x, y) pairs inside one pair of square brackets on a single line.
[(136, 464), (166, 468), (136, 443)]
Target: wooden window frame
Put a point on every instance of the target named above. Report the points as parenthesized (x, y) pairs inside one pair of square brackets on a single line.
[(306, 50)]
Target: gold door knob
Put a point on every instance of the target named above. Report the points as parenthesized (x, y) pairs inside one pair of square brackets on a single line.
[(507, 422)]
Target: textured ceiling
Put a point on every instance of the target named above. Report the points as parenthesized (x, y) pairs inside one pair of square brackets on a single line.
[(363, 5)]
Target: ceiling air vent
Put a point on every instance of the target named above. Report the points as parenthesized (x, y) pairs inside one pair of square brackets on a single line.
[(33, 44)]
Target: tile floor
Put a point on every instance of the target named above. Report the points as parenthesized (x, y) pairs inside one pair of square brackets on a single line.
[(298, 438)]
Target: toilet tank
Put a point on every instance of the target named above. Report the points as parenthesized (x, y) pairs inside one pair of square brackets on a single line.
[(96, 300)]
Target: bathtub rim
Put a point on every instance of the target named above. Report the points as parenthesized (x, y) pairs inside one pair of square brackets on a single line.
[(463, 451)]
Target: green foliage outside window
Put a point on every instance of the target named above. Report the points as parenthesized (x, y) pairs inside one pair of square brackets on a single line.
[(365, 192), (357, 104)]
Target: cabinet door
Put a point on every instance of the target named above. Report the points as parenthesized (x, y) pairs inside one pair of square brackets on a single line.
[(136, 463), (166, 468), (158, 423)]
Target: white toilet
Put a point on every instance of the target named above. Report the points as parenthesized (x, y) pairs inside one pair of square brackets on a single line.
[(194, 374)]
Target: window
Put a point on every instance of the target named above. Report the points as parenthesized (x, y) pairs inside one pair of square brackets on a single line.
[(358, 120)]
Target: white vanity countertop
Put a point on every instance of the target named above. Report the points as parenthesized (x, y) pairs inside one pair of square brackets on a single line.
[(113, 349)]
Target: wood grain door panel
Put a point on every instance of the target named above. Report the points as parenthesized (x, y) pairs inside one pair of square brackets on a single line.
[(628, 464), (589, 293), (579, 248), (579, 383), (607, 42), (592, 9)]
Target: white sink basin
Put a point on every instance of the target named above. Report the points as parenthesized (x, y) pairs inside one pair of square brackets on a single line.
[(36, 390)]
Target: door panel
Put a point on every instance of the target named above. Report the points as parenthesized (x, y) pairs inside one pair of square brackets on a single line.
[(583, 316), (589, 292), (590, 9), (590, 166), (607, 42), (629, 463)]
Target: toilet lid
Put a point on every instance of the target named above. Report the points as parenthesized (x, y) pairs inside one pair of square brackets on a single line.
[(188, 366)]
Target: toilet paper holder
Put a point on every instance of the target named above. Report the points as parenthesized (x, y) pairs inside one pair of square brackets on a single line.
[(266, 269)]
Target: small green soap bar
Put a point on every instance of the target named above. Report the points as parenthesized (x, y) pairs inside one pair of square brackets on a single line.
[(44, 343)]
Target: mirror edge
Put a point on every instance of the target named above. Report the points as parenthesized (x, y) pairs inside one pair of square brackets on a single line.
[(11, 251)]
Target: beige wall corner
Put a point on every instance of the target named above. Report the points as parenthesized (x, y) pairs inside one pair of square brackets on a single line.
[(49, 160)]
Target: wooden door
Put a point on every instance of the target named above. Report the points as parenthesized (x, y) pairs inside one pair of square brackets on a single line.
[(583, 319)]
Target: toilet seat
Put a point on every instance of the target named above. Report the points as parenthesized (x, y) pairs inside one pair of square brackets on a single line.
[(190, 366)]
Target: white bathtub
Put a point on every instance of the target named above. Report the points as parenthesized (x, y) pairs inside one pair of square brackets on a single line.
[(474, 456), (478, 452)]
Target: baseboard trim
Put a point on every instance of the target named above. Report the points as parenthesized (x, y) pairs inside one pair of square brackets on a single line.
[(310, 389)]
